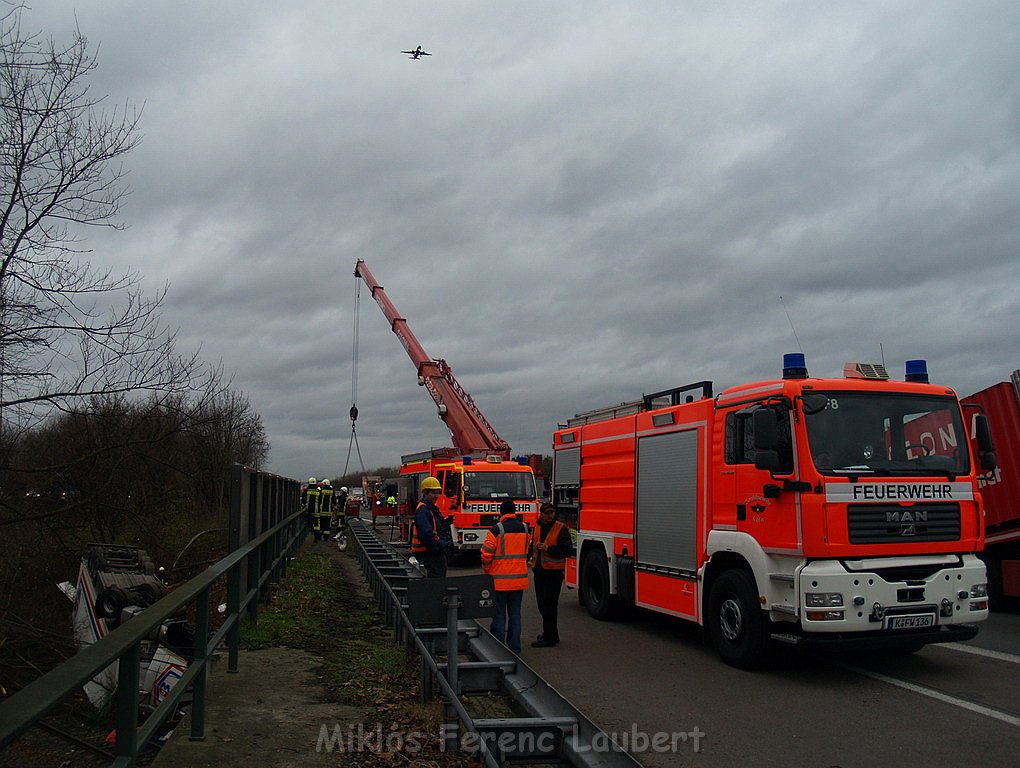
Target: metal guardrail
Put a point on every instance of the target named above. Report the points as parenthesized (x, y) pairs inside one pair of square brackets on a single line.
[(549, 728), (256, 564)]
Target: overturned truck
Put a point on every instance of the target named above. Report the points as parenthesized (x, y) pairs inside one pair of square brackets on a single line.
[(114, 584)]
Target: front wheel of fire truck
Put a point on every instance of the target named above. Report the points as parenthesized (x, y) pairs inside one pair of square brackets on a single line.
[(738, 627), (600, 602)]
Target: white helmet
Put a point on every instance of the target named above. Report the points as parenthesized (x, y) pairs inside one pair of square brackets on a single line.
[(343, 489), (311, 481), (325, 481)]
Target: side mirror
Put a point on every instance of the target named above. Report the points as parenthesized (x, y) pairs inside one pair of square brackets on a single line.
[(766, 431), (986, 449), (814, 402), (983, 433)]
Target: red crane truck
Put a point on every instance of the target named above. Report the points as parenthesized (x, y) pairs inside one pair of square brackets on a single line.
[(1000, 487), (793, 510), (477, 473)]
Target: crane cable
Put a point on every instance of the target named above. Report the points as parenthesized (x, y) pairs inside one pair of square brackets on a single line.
[(354, 381)]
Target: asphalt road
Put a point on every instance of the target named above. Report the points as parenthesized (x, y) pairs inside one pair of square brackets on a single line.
[(655, 677)]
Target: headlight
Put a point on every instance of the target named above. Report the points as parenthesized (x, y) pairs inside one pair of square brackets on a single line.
[(823, 599), (979, 590)]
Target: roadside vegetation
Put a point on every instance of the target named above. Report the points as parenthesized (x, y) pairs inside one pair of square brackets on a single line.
[(323, 607)]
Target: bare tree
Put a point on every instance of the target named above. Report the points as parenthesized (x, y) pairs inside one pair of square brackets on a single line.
[(68, 331)]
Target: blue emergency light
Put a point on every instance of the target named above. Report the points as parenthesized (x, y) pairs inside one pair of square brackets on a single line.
[(917, 370), (794, 366)]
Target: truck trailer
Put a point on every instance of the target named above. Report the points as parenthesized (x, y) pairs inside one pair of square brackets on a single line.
[(1000, 487), (794, 510)]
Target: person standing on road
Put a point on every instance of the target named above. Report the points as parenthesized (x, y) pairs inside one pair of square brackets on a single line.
[(312, 497), (431, 538), (304, 492), (505, 558), (550, 546), (324, 515)]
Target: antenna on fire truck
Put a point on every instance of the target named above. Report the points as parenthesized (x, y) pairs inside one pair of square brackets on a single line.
[(790, 320)]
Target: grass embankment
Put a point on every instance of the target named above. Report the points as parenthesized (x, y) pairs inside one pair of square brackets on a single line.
[(323, 607)]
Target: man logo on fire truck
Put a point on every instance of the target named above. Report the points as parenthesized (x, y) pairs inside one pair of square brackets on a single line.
[(788, 510)]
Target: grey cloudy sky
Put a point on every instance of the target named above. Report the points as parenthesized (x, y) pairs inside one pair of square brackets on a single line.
[(572, 203)]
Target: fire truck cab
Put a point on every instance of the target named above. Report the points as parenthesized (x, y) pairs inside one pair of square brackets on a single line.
[(473, 489), (797, 510)]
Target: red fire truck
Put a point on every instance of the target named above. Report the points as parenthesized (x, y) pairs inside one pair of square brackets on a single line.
[(476, 473), (473, 489), (792, 510), (1000, 487)]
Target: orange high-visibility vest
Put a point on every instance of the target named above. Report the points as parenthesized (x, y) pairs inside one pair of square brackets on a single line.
[(505, 554), (417, 545), (541, 558)]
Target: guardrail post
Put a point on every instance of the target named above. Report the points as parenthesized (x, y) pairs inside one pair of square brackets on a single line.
[(127, 707), (252, 562), (201, 654), (233, 612), (451, 723), (426, 681)]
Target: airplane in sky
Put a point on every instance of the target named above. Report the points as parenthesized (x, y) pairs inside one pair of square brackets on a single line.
[(417, 53)]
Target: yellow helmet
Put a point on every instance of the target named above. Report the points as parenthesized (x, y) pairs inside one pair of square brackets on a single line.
[(430, 484), (311, 481), (326, 481)]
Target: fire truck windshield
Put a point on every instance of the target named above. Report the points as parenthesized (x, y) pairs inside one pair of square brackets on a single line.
[(499, 485), (886, 434)]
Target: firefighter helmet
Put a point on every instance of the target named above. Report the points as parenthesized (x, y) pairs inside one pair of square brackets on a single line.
[(325, 481), (311, 481), (430, 484), (343, 489)]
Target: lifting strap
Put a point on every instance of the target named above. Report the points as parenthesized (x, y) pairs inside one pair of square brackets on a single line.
[(354, 382)]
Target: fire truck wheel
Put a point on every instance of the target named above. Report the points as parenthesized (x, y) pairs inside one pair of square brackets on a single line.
[(738, 627), (601, 604)]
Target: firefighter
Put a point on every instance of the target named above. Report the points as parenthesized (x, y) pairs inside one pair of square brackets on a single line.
[(431, 539), (550, 546), (312, 494), (304, 492), (505, 558), (340, 512), (322, 525)]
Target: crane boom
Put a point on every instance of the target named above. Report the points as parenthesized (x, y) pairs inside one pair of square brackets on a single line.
[(471, 431)]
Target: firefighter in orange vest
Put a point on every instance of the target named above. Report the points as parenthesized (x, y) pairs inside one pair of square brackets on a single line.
[(431, 538), (551, 544), (505, 558)]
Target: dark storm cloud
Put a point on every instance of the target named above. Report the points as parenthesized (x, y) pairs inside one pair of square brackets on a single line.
[(572, 204)]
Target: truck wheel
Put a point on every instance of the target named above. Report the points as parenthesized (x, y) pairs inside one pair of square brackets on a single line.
[(738, 627), (601, 604), (111, 602)]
